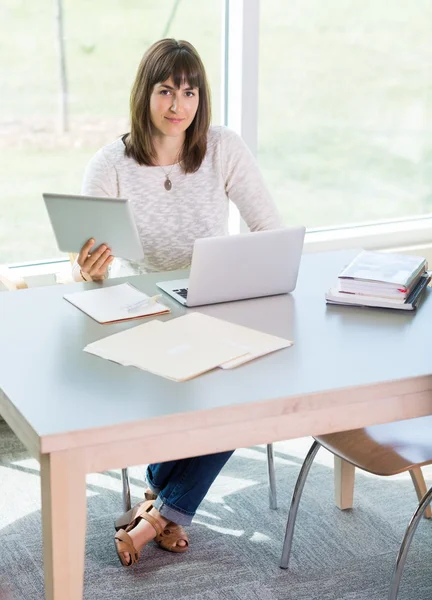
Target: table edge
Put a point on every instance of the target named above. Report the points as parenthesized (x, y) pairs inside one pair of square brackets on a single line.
[(250, 414), (19, 425)]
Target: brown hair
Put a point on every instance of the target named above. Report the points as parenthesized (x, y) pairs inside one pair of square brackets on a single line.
[(164, 59)]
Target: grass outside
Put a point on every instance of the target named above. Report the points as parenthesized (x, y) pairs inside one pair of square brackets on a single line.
[(345, 103), (346, 109)]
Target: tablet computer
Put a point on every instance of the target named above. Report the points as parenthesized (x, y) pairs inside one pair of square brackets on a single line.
[(76, 219)]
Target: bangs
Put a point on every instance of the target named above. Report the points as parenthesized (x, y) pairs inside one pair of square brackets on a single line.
[(182, 67)]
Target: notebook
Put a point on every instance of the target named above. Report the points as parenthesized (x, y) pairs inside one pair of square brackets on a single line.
[(116, 303)]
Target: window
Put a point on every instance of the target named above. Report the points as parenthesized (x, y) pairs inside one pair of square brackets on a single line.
[(345, 109), (103, 42)]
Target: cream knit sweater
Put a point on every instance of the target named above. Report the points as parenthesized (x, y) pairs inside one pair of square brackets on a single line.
[(197, 205)]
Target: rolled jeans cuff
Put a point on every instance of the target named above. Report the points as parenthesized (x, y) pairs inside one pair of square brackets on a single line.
[(175, 515), (152, 487)]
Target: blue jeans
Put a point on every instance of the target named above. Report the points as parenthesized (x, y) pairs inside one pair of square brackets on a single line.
[(182, 484)]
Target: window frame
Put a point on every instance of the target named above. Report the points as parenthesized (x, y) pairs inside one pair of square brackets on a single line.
[(239, 111)]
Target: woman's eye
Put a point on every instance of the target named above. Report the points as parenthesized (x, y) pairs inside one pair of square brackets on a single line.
[(190, 94), (165, 92)]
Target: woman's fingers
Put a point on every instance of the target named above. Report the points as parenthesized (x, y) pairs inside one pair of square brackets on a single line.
[(99, 264), (96, 263), (92, 259), (102, 271), (84, 252)]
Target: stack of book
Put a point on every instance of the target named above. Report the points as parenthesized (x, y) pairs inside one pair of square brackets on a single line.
[(383, 280)]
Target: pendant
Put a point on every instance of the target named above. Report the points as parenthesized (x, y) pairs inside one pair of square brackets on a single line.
[(167, 184)]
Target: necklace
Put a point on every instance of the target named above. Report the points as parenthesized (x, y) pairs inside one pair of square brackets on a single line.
[(168, 182)]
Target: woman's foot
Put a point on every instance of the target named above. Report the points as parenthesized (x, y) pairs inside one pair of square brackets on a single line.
[(144, 532), (149, 495), (124, 520)]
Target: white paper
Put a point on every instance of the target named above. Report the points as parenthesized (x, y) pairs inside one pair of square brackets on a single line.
[(109, 304)]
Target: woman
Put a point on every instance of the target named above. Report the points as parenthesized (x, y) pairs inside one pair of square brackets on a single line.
[(178, 173)]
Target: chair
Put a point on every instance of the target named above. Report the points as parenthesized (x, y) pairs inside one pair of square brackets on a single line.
[(271, 476), (382, 450)]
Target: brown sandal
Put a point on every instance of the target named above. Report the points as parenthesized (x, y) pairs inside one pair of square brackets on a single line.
[(123, 521), (170, 536), (123, 542), (173, 533)]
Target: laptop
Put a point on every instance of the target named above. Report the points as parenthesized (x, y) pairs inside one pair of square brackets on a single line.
[(236, 267)]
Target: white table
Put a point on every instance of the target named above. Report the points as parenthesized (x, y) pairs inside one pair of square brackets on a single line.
[(78, 414)]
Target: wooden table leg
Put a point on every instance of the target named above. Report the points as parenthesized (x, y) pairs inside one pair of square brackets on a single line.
[(64, 516), (344, 473)]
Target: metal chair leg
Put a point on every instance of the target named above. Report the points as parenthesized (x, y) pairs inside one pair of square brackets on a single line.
[(298, 490), (272, 477), (126, 490), (406, 543)]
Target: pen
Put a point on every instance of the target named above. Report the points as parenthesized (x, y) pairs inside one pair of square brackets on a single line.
[(142, 303)]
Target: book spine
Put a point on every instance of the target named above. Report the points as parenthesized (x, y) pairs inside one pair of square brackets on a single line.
[(414, 297)]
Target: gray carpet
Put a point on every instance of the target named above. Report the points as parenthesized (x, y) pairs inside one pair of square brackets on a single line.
[(235, 541)]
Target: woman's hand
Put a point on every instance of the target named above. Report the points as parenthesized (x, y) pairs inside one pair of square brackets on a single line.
[(94, 265)]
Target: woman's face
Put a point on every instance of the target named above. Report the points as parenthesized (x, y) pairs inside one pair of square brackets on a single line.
[(172, 110)]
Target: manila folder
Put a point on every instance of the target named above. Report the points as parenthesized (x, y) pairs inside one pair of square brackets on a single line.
[(178, 353), (250, 342)]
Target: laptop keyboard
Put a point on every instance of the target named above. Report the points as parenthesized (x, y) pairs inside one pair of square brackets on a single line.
[(182, 292)]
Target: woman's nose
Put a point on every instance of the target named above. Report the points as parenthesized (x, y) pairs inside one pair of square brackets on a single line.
[(175, 106)]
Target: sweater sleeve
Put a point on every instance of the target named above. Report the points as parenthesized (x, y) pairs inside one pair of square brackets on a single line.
[(245, 186), (99, 180)]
